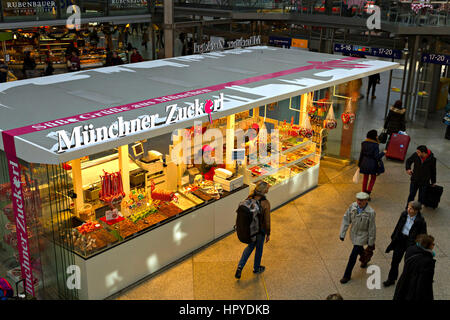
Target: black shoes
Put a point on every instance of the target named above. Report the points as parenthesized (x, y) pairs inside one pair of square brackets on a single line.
[(237, 275), (259, 270), (344, 280), (388, 283)]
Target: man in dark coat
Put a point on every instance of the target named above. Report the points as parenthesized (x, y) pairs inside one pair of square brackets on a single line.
[(424, 171), (409, 226), (416, 281), (374, 79)]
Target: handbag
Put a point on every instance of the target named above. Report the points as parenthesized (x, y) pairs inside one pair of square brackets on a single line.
[(380, 169), (356, 176), (382, 138)]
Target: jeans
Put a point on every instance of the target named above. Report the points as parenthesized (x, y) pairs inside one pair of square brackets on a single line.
[(357, 250), (413, 191), (399, 251), (259, 244)]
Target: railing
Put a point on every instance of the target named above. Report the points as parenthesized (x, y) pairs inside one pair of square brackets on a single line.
[(405, 12)]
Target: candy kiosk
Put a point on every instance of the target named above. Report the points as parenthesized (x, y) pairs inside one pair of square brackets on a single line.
[(111, 174)]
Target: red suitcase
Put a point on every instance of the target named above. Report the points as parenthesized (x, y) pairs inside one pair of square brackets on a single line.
[(398, 146)]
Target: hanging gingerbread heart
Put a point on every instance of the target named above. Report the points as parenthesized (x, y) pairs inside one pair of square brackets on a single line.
[(345, 118), (352, 117), (330, 124)]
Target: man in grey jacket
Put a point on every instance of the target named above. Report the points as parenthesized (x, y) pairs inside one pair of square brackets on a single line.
[(362, 218)]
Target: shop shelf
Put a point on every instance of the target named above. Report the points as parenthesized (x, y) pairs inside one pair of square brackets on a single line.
[(303, 144), (253, 180)]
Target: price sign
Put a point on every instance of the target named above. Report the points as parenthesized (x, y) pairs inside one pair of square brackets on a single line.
[(112, 214), (436, 59)]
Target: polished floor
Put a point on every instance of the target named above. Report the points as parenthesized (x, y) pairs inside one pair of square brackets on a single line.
[(305, 258)]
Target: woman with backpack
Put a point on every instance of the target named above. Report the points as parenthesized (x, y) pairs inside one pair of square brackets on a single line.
[(370, 163), (259, 193)]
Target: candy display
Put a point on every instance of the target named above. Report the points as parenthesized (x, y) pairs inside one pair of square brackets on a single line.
[(306, 132), (162, 195), (88, 227), (125, 228), (83, 243), (184, 203), (142, 214), (102, 238), (138, 202), (149, 221), (168, 209)]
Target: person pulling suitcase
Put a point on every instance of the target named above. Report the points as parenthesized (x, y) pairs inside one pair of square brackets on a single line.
[(422, 174)]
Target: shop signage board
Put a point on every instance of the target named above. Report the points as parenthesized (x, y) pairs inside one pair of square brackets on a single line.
[(87, 134), (22, 7), (219, 44), (18, 203), (441, 59), (127, 4), (283, 42), (370, 51), (299, 43)]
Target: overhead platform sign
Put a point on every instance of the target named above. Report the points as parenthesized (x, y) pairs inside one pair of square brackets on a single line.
[(370, 51), (441, 59), (48, 118)]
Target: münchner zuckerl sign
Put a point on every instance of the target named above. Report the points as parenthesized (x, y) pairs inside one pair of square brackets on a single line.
[(87, 134)]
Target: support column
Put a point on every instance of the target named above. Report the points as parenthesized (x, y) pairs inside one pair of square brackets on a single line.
[(168, 29), (77, 184), (388, 93), (303, 107), (255, 113), (230, 141), (124, 166), (411, 75)]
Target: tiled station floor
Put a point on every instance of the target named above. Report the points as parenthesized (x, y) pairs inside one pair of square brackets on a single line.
[(305, 258)]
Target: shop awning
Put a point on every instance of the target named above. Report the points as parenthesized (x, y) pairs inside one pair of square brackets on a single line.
[(34, 110)]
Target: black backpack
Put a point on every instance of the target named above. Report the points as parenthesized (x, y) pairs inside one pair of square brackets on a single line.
[(248, 220)]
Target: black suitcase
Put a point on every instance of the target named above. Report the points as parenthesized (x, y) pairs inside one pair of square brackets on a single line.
[(433, 196)]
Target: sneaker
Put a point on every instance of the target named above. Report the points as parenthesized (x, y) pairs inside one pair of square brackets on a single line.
[(344, 280), (388, 283), (237, 275), (259, 270)]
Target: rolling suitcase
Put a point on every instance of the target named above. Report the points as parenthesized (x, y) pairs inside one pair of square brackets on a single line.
[(433, 196), (398, 146)]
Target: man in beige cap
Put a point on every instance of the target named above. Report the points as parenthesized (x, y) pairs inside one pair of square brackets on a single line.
[(362, 218)]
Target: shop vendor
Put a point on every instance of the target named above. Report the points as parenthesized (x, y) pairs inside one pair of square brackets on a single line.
[(208, 163)]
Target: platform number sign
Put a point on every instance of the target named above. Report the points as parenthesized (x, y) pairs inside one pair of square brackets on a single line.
[(370, 51), (436, 59)]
